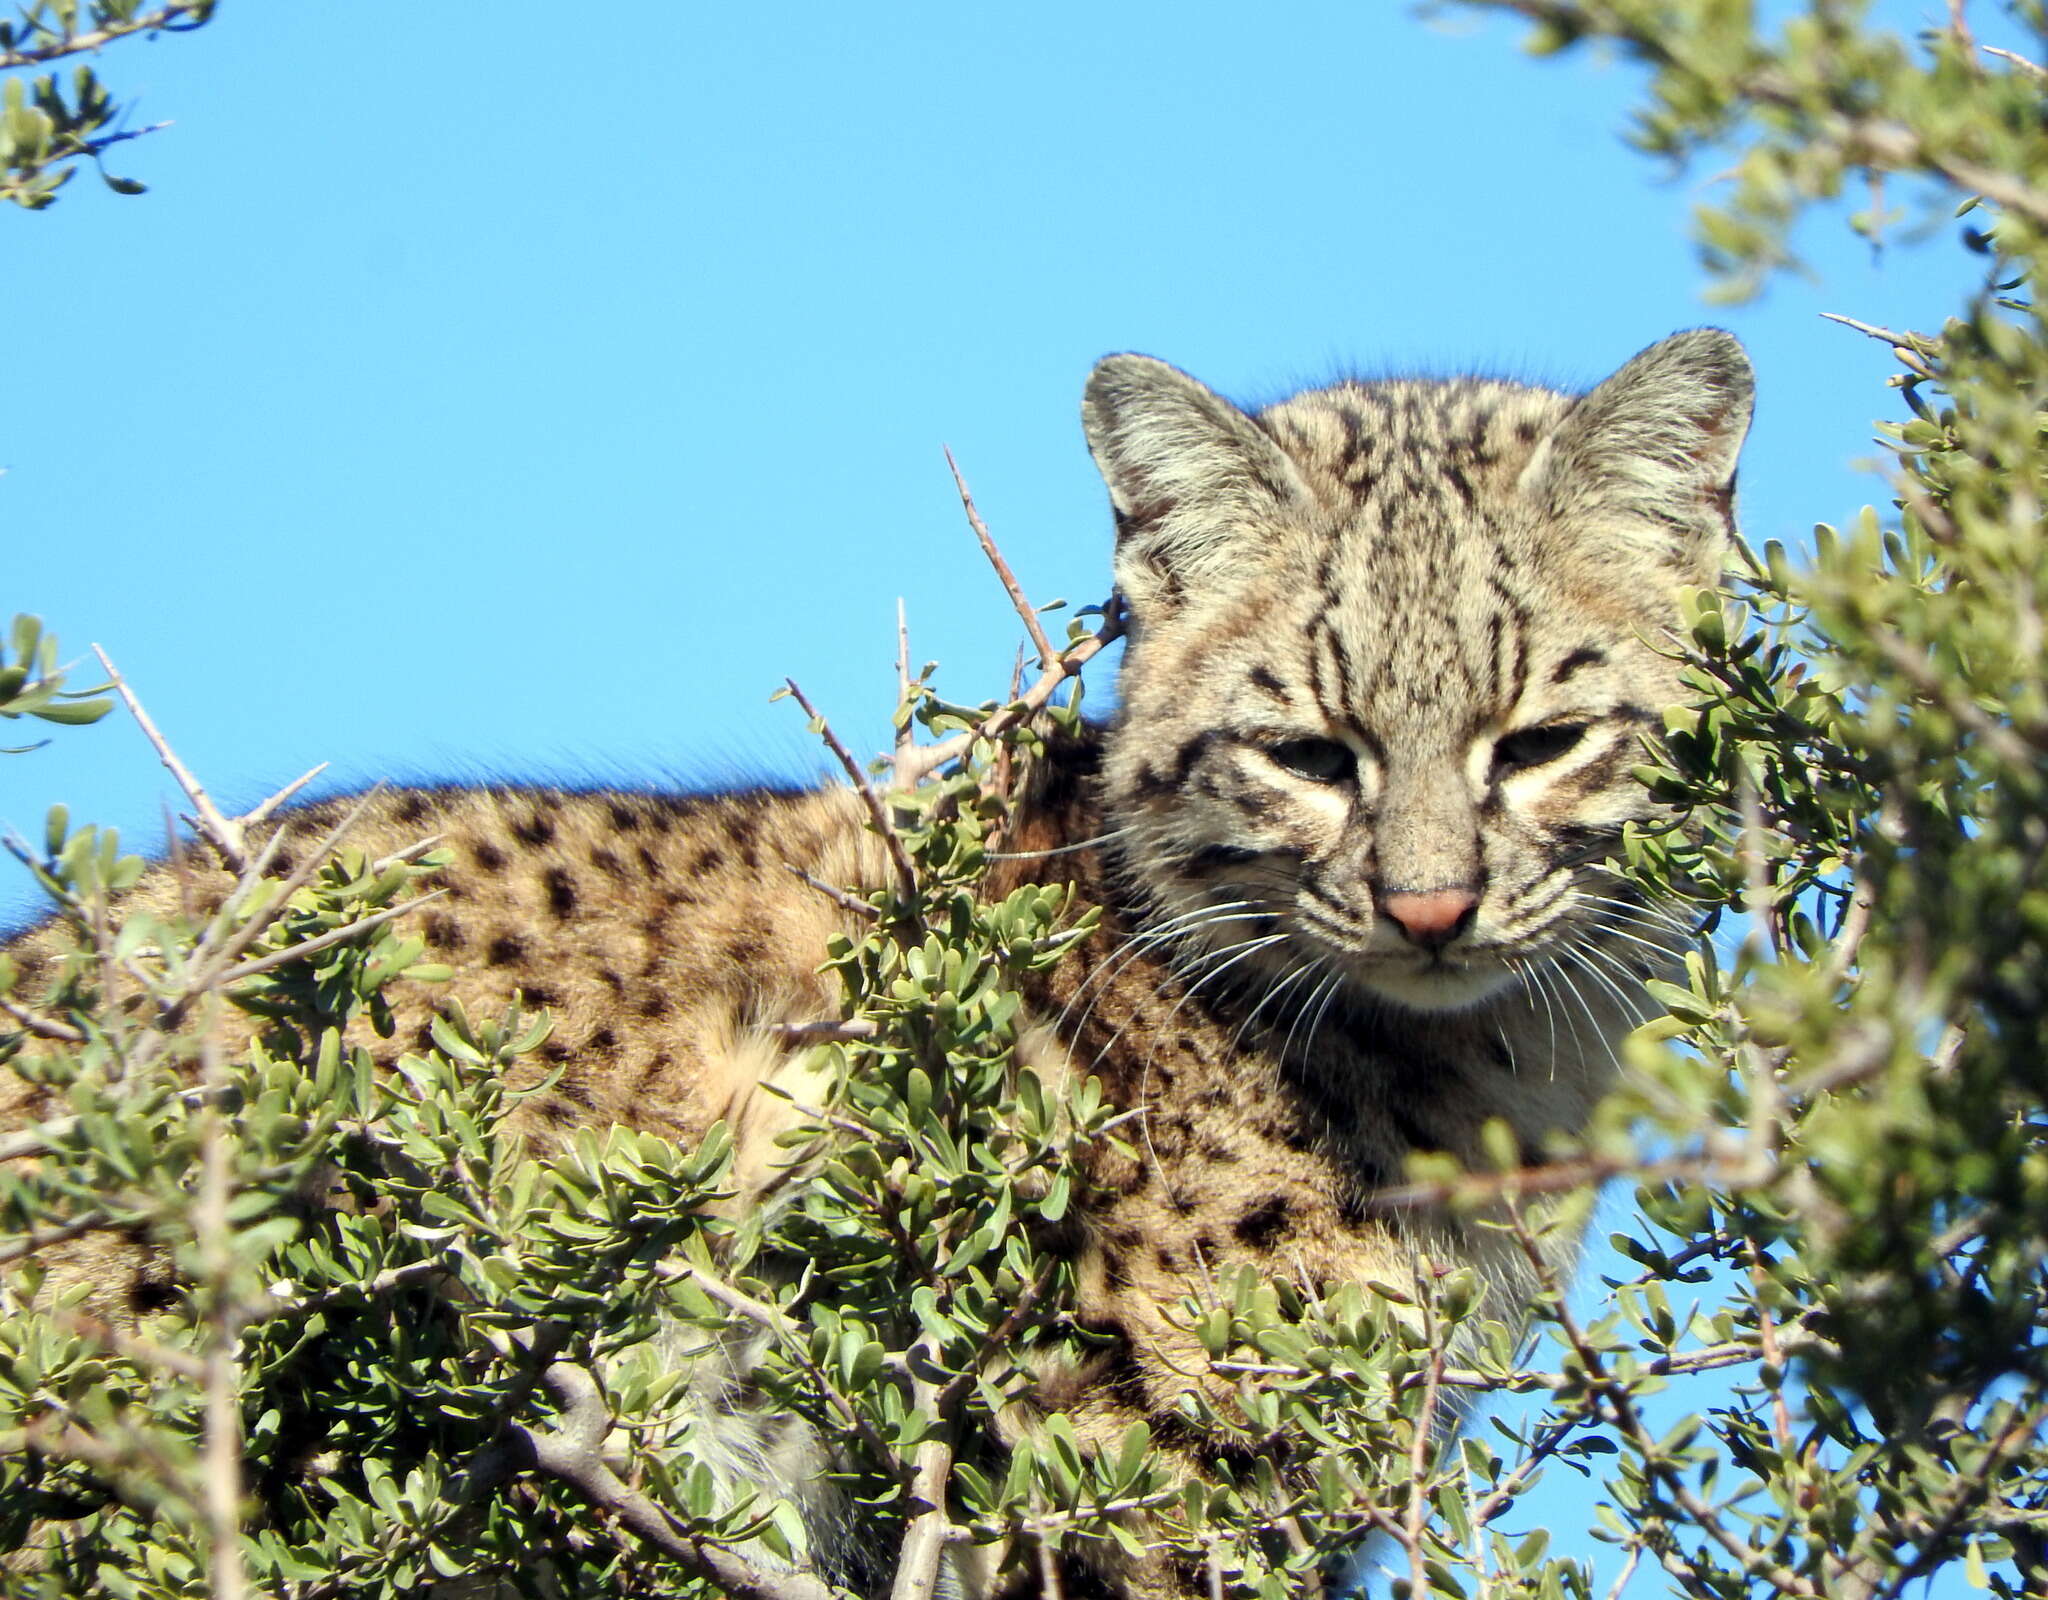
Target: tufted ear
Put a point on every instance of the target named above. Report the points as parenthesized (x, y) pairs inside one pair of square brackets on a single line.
[(1191, 479), (1647, 460)]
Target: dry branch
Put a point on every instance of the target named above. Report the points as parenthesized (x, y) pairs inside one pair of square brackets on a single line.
[(225, 836), (574, 1452), (1011, 587), (878, 814)]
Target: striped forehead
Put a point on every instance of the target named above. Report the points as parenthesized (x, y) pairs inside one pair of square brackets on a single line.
[(1447, 447), (1422, 624), (1417, 641)]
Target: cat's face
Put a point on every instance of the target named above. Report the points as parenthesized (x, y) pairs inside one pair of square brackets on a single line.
[(1395, 649)]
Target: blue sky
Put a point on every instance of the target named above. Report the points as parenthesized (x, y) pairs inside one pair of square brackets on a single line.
[(470, 397)]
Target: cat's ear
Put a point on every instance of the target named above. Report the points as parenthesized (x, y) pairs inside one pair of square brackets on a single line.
[(1646, 461), (1193, 481)]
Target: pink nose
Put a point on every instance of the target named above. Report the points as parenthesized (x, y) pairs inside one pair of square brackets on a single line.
[(1434, 919)]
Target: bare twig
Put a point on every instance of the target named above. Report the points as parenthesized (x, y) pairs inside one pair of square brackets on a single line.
[(389, 1281), (262, 812), (906, 736), (43, 1137), (15, 1246), (906, 870), (824, 1032), (41, 1027), (574, 1453), (1904, 346), (1046, 654), (217, 830), (2033, 69), (211, 961), (313, 946), (838, 896)]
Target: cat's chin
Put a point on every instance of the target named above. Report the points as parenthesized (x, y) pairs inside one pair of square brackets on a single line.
[(1436, 988)]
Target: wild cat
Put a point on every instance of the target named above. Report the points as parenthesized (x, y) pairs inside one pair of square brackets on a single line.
[(1393, 650)]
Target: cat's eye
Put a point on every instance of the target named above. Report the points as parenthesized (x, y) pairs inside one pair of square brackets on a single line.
[(1318, 760), (1532, 747)]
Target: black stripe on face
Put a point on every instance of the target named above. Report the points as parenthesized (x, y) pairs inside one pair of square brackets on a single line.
[(1263, 679), (1217, 857), (1509, 627), (1585, 656), (1188, 754)]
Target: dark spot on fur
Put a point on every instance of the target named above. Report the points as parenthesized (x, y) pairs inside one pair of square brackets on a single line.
[(611, 980), (648, 864), (505, 949), (412, 808), (655, 1005), (558, 1111), (444, 933), (1183, 1201), (1258, 1226), (284, 864), (151, 1294), (624, 818), (605, 861), (539, 994), (561, 891), (745, 952), (570, 1088), (488, 856), (1081, 1581), (535, 830), (556, 1051), (605, 1040)]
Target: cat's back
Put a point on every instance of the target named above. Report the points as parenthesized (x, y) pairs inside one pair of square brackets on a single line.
[(669, 936)]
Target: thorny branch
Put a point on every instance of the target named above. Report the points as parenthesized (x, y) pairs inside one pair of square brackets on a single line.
[(878, 814), (225, 836), (1015, 590)]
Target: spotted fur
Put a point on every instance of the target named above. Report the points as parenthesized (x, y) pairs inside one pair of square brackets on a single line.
[(1394, 647)]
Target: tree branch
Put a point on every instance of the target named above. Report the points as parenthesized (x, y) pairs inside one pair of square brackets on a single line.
[(573, 1451)]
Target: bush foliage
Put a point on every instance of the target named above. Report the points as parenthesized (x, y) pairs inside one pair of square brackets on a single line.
[(1822, 1376)]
